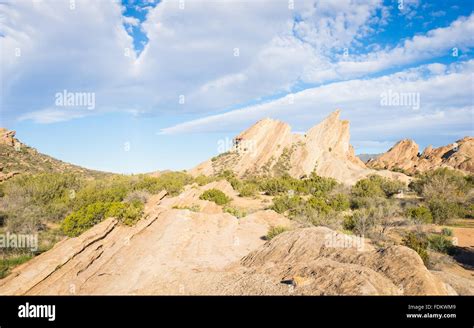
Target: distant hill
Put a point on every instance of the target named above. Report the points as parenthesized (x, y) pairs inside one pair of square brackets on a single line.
[(18, 158)]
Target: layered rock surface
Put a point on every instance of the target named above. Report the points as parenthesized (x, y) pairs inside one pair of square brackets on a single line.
[(178, 251)]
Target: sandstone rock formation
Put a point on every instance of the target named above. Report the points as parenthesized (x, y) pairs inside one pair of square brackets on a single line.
[(327, 262), (404, 155), (7, 137), (269, 148), (180, 251)]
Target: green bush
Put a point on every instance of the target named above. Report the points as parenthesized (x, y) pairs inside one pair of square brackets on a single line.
[(314, 185), (276, 186), (446, 232), (216, 196), (84, 218), (439, 181), (112, 189), (361, 222), (349, 223), (275, 231), (367, 188), (376, 186), (419, 214), (30, 201), (339, 202), (441, 244), (202, 180), (126, 213), (446, 193), (192, 208), (442, 211), (172, 182), (238, 213), (419, 243), (319, 204), (285, 203), (248, 189)]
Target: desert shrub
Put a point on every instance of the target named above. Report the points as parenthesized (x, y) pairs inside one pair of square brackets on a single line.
[(441, 181), (237, 212), (84, 218), (30, 201), (466, 210), (361, 202), (418, 242), (230, 176), (172, 182), (319, 204), (113, 189), (202, 180), (192, 208), (419, 214), (277, 185), (314, 185), (441, 244), (376, 186), (367, 188), (446, 193), (446, 232), (126, 213), (339, 202), (442, 210), (369, 202), (248, 189), (361, 222), (275, 231), (285, 203), (137, 195), (317, 185), (216, 196), (349, 222)]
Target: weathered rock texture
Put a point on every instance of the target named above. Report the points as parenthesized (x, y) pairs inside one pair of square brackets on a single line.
[(179, 251), (404, 155), (7, 137), (269, 148)]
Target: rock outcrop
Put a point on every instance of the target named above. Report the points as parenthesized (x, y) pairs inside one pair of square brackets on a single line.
[(174, 251), (404, 155), (269, 148), (321, 261), (7, 137)]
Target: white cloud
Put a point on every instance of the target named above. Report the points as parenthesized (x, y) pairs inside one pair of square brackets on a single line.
[(191, 52), (445, 95)]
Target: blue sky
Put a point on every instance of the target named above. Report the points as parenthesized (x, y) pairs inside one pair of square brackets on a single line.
[(173, 79)]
